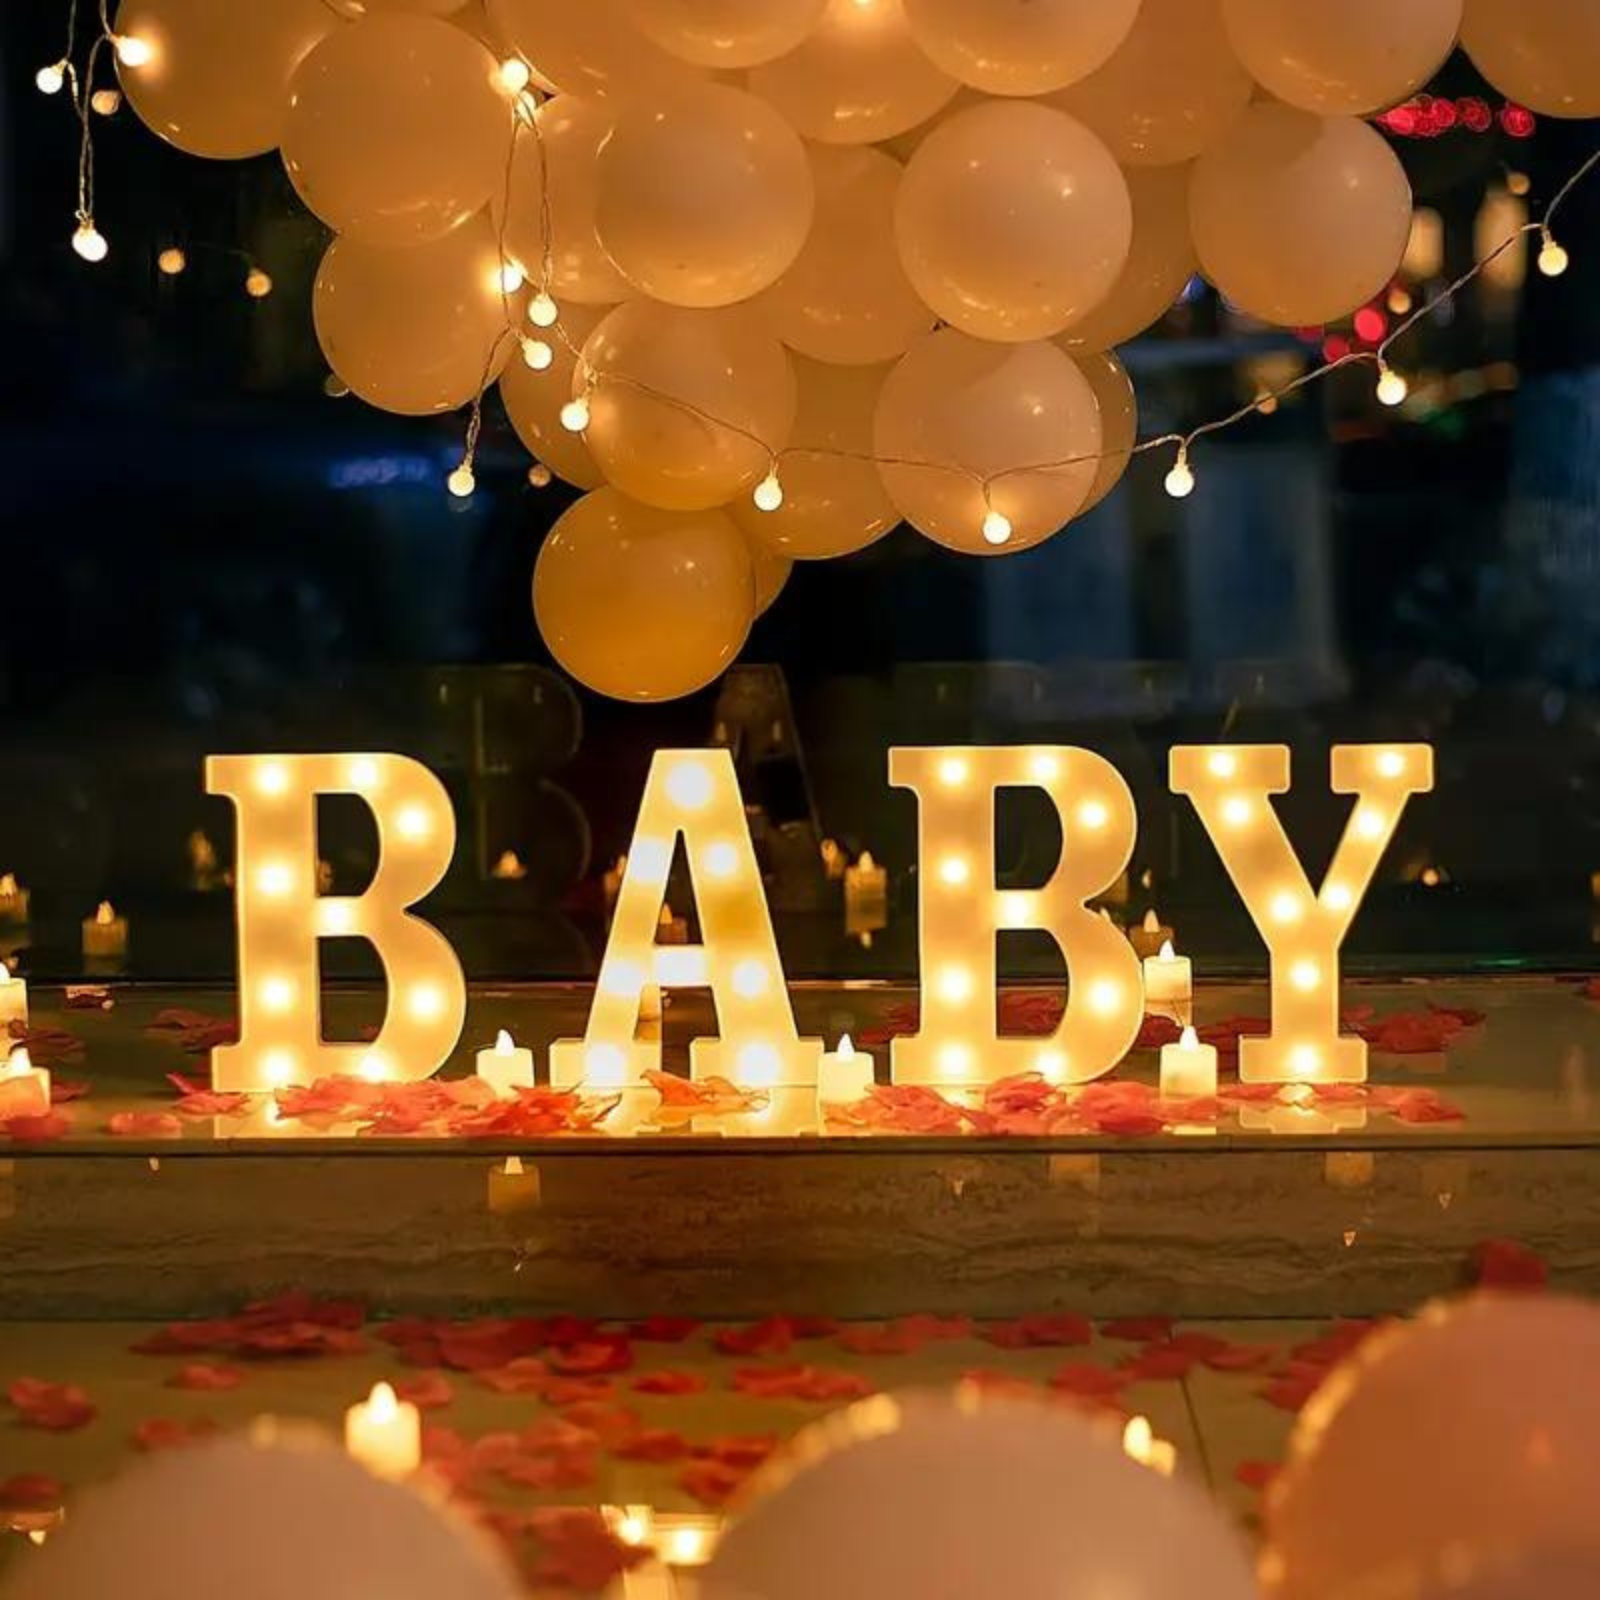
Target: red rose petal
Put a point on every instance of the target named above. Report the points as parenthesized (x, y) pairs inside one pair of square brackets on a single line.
[(1142, 1330), (668, 1382), (206, 1376), (164, 1433), (427, 1392), (711, 1482), (561, 1392), (30, 1491), (771, 1337), (1084, 1378), (56, 1407), (1505, 1264), (651, 1444), (663, 1330)]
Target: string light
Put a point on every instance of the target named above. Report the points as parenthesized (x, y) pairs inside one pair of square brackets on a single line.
[(171, 262), (462, 482), (575, 414), (48, 80), (514, 74), (768, 494), (257, 284), (1392, 386), (542, 310), (996, 527), (509, 278), (1180, 481), (89, 242), (537, 354), (540, 476), (1553, 259), (106, 102), (132, 51)]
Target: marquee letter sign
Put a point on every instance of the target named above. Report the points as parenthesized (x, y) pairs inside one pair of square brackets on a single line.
[(1231, 786), (961, 911), (692, 795), (281, 917)]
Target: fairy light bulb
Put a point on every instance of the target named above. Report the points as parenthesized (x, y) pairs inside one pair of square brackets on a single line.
[(461, 482), (1392, 387), (575, 414), (996, 527), (48, 80), (132, 51), (171, 262), (1553, 259), (542, 310), (1180, 481), (105, 102), (89, 242), (768, 494), (257, 284), (537, 354), (514, 75), (540, 476)]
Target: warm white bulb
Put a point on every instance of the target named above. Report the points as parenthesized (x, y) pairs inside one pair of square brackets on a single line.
[(257, 284), (575, 415), (171, 262), (461, 482), (510, 277), (133, 51), (49, 79), (540, 476), (1392, 387), (996, 527), (1553, 259), (89, 242), (537, 354), (1094, 814), (514, 75), (768, 494), (542, 310), (105, 102), (1180, 481)]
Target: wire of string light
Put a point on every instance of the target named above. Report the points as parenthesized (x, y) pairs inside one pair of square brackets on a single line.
[(543, 313)]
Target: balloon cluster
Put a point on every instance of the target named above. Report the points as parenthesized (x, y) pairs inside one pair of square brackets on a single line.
[(769, 276)]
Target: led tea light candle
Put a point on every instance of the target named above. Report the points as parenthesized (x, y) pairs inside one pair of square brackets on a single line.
[(1188, 1068), (866, 892), (505, 1067), (13, 900), (845, 1074), (1168, 980), (384, 1433), (1231, 787), (1148, 938), (281, 918), (513, 1188), (833, 860), (508, 867), (105, 934), (961, 910), (692, 796), (24, 1088), (13, 998)]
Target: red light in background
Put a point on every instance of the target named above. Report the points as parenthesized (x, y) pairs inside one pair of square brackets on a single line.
[(1335, 347), (1474, 113), (1517, 120), (1370, 324)]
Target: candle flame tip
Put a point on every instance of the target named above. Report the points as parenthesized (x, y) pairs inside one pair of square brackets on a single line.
[(1167, 952), (104, 914), (1190, 1039), (1152, 923), (846, 1048), (502, 1043)]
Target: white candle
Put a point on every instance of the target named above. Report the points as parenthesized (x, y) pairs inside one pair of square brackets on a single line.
[(505, 1067), (1188, 1068), (1168, 978), (13, 998), (24, 1088), (105, 933), (1150, 935), (845, 1074), (13, 899), (384, 1433)]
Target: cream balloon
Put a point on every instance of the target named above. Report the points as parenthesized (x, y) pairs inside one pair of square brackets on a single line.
[(1342, 57), (1012, 221), (572, 130), (1544, 54), (726, 33), (371, 8), (966, 1494), (1020, 47), (533, 399), (257, 1521), (1171, 90), (1119, 420), (1498, 1449), (424, 163), (640, 603), (905, 145), (847, 297), (686, 408), (703, 195), (1161, 260), (1299, 219), (1560, 1572), (769, 571), (216, 81), (858, 78), (415, 331), (586, 46), (834, 502), (972, 410)]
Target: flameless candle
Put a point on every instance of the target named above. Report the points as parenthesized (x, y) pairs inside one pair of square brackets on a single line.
[(845, 1074), (513, 1188), (671, 929), (13, 998), (1148, 938), (1188, 1068), (505, 1067), (509, 867), (833, 860), (105, 933), (24, 1088), (1168, 979), (866, 887), (384, 1434), (13, 899)]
